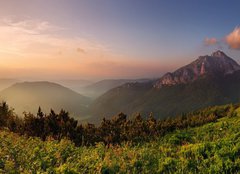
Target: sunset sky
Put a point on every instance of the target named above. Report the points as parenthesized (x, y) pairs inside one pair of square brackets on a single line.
[(97, 39)]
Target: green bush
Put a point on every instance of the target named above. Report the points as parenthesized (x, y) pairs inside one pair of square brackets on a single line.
[(211, 148)]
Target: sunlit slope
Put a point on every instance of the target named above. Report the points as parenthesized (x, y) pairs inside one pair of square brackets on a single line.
[(28, 96)]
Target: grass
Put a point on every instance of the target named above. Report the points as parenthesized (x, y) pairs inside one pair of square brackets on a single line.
[(211, 148)]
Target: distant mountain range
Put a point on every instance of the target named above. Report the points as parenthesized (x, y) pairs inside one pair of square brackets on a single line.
[(28, 96), (209, 80), (99, 88), (5, 83), (76, 85)]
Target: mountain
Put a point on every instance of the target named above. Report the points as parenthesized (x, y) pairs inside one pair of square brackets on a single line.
[(207, 81), (75, 85), (4, 83), (217, 63), (96, 89), (28, 96)]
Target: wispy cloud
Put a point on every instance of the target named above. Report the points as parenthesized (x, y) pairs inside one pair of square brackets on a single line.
[(27, 25), (233, 39), (80, 50), (39, 48), (35, 37), (210, 41)]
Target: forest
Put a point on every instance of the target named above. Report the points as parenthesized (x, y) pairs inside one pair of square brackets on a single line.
[(117, 130)]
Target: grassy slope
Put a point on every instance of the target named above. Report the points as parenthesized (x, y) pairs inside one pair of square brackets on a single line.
[(212, 148)]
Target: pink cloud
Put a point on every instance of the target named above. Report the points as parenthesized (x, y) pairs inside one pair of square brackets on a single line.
[(210, 41), (80, 50), (233, 39)]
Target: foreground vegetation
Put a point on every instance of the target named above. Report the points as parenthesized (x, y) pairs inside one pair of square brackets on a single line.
[(211, 148), (118, 130)]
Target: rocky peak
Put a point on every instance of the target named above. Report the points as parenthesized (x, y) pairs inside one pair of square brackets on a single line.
[(216, 64), (218, 54)]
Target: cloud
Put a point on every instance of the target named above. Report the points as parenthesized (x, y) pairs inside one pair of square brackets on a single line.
[(210, 41), (233, 39), (36, 38), (39, 45), (29, 25), (80, 50), (35, 48), (19, 36)]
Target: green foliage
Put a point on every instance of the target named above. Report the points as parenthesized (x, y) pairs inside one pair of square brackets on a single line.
[(238, 112), (115, 131), (8, 119), (180, 138), (210, 148)]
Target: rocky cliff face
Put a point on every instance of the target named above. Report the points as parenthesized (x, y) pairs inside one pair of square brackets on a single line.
[(218, 63)]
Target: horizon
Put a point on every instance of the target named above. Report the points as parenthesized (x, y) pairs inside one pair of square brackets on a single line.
[(92, 81), (92, 40)]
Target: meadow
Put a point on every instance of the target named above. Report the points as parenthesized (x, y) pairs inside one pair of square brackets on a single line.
[(211, 148)]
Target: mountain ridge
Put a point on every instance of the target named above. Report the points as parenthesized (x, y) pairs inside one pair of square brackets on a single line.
[(213, 87), (217, 63), (98, 88), (28, 96)]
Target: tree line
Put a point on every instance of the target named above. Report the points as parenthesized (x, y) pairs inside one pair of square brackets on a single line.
[(117, 130)]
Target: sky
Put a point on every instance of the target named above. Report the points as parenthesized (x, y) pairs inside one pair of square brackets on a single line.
[(99, 39)]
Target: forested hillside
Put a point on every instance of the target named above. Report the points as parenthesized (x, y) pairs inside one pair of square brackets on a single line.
[(207, 81)]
